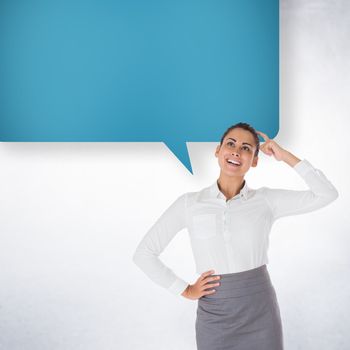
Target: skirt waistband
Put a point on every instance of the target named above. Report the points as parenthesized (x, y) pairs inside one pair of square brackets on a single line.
[(242, 283)]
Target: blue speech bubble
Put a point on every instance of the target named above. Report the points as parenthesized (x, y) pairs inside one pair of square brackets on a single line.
[(138, 71)]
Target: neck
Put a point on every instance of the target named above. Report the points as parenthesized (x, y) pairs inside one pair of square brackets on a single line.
[(230, 186)]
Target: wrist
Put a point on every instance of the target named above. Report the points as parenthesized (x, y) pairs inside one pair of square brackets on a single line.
[(285, 154), (290, 158), (185, 292)]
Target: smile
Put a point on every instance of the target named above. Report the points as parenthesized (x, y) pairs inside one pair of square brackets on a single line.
[(233, 162)]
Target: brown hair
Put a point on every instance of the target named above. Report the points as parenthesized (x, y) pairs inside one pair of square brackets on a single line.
[(247, 127)]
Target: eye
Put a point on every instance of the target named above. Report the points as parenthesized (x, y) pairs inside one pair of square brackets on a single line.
[(246, 147), (230, 143)]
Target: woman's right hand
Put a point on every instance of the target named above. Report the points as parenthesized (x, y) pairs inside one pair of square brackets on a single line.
[(197, 290)]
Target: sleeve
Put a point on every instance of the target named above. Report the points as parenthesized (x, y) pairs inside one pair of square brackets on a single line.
[(321, 192), (146, 256)]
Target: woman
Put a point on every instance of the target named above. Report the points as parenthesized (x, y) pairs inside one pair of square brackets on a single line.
[(229, 225)]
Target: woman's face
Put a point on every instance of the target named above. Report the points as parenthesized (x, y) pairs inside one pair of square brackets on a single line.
[(237, 147)]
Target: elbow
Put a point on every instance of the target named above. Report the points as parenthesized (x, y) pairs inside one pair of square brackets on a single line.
[(136, 258), (329, 197), (333, 195), (140, 258)]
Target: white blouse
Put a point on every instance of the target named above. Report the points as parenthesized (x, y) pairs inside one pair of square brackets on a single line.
[(228, 236)]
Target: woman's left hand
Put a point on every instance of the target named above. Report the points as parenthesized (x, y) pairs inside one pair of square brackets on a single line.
[(271, 147)]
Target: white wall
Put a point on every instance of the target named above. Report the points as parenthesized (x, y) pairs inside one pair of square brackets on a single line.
[(71, 216)]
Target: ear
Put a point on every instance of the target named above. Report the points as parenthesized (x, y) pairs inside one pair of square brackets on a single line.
[(217, 150), (255, 161)]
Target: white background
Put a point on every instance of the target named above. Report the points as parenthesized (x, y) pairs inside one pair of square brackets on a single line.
[(71, 215)]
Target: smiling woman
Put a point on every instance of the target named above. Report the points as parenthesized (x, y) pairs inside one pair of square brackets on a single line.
[(229, 224), (237, 152)]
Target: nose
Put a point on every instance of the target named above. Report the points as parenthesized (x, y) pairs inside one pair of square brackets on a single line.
[(235, 154)]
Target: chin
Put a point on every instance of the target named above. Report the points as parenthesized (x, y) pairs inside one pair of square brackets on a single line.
[(234, 172)]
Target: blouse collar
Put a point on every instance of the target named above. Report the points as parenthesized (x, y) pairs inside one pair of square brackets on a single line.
[(215, 191)]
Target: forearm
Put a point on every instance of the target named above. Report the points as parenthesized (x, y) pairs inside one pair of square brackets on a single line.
[(184, 293), (290, 158)]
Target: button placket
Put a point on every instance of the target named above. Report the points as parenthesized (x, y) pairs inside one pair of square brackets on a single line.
[(225, 222)]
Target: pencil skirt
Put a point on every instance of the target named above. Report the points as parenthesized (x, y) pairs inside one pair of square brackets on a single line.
[(242, 314)]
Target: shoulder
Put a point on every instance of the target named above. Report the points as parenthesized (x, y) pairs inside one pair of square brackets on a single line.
[(266, 191), (197, 196), (262, 193), (258, 191)]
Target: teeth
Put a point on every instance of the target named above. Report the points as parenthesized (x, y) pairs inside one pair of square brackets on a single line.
[(233, 162)]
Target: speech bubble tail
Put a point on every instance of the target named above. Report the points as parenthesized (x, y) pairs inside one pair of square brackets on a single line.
[(180, 150)]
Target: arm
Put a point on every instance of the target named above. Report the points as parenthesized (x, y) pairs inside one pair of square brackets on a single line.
[(146, 256), (321, 192), (282, 202)]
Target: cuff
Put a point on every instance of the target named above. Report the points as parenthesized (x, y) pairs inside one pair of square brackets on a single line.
[(178, 286), (303, 167)]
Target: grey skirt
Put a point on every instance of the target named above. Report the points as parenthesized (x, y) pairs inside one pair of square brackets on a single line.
[(243, 313)]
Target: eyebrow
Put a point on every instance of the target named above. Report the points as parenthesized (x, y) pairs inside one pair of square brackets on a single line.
[(243, 143)]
